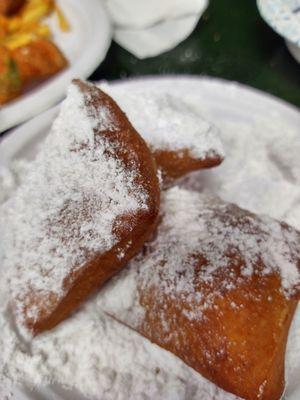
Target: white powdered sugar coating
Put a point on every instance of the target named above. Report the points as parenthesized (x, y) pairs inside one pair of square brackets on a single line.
[(198, 226), (261, 172), (67, 205), (105, 360), (167, 122)]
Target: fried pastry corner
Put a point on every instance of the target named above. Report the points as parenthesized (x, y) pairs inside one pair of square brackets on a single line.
[(218, 287), (90, 201)]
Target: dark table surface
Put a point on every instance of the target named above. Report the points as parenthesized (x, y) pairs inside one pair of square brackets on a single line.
[(231, 41)]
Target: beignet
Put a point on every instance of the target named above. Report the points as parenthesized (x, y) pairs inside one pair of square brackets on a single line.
[(88, 203), (217, 286), (181, 140)]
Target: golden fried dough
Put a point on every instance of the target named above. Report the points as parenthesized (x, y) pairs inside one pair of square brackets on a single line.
[(176, 164), (181, 140), (89, 202), (217, 287)]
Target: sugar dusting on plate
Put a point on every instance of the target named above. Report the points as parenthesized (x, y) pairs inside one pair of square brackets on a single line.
[(103, 359)]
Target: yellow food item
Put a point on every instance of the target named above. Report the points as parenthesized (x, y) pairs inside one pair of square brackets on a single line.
[(26, 40), (23, 38), (63, 22)]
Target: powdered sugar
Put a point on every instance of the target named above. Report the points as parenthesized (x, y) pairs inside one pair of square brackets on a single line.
[(67, 205), (261, 166), (102, 360), (167, 122), (232, 244), (105, 360)]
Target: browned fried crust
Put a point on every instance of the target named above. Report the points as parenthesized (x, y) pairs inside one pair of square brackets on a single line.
[(240, 351), (130, 149), (176, 164), (239, 340)]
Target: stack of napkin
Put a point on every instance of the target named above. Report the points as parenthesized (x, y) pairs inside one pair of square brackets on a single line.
[(148, 28)]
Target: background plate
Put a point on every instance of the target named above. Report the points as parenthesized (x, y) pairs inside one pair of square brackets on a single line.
[(85, 46), (283, 16), (294, 50)]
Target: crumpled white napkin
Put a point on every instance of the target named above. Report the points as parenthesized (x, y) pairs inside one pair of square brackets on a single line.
[(147, 28)]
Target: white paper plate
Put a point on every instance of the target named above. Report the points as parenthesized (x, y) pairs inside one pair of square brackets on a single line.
[(85, 46), (221, 101)]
